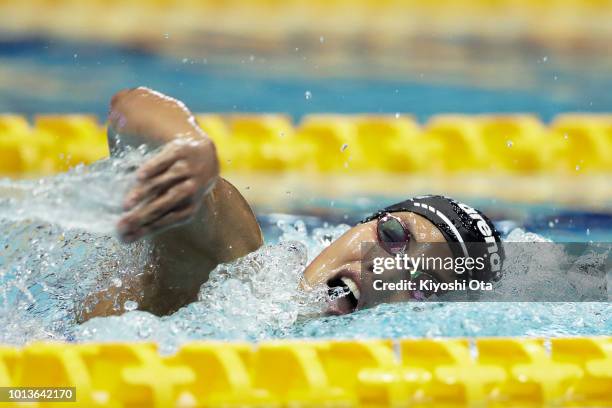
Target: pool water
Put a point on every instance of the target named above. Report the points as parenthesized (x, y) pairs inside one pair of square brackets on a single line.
[(43, 75), (57, 242), (59, 246)]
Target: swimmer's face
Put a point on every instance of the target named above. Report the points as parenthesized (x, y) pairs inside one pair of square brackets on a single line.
[(343, 267)]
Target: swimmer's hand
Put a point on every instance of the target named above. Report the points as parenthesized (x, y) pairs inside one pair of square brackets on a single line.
[(169, 190), (170, 185)]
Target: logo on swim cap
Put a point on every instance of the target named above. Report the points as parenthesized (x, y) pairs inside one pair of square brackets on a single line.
[(485, 229)]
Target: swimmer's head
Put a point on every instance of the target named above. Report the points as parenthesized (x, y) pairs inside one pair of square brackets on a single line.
[(426, 226)]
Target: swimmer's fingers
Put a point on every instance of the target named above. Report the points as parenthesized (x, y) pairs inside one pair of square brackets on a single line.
[(160, 162), (176, 196), (176, 174), (179, 194), (168, 220)]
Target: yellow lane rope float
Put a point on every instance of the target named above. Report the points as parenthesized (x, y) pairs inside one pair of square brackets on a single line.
[(572, 144), (500, 372)]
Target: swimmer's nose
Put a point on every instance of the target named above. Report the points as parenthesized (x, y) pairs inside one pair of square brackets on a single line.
[(343, 256)]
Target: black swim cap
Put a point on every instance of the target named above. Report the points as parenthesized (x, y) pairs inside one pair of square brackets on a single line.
[(468, 231)]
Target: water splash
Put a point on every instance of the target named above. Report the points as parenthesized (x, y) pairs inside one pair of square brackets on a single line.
[(87, 197), (252, 298), (58, 246), (255, 297)]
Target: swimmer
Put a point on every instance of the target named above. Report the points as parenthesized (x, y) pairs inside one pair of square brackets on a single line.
[(195, 220)]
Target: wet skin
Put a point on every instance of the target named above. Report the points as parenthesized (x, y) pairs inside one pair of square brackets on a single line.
[(195, 219)]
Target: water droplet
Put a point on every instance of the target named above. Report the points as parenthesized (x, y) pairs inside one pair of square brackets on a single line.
[(588, 231), (185, 60), (551, 224), (130, 305), (321, 39), (307, 95), (565, 136), (166, 36), (344, 147), (545, 58), (577, 167), (397, 115), (75, 56), (509, 143), (251, 58)]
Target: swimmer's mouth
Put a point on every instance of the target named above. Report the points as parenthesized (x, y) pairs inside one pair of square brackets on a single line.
[(343, 294)]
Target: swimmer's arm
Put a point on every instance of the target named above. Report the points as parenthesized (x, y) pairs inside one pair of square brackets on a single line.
[(171, 184), (196, 219), (179, 182)]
